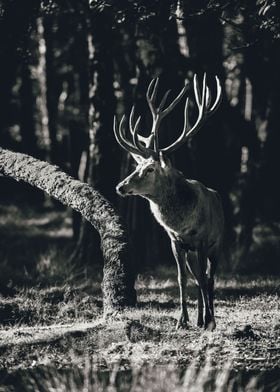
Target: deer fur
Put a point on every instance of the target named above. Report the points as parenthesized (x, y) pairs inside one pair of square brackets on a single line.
[(192, 216)]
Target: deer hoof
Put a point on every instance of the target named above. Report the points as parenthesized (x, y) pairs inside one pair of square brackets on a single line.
[(210, 326), (200, 324), (183, 323)]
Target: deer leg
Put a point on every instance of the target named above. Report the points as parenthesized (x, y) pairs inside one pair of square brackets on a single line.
[(212, 270), (209, 321), (212, 324), (200, 308), (192, 265), (179, 255)]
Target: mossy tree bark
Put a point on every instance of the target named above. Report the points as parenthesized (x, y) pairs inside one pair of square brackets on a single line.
[(118, 278)]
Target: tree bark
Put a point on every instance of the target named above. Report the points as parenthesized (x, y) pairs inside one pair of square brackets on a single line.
[(43, 114), (118, 279), (52, 91), (102, 150)]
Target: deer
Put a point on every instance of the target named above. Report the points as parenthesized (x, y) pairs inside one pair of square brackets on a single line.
[(190, 213)]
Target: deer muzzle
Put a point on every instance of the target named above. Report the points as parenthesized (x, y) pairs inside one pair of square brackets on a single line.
[(123, 189)]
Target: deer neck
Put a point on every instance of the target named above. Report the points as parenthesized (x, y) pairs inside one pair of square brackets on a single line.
[(174, 204), (173, 193)]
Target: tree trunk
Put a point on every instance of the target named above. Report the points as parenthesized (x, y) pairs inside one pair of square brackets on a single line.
[(27, 124), (15, 28), (42, 97), (118, 280), (52, 90), (103, 151), (106, 160)]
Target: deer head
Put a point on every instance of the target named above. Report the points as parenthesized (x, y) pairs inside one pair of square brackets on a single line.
[(153, 166)]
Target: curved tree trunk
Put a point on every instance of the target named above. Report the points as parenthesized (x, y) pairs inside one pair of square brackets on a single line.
[(118, 279)]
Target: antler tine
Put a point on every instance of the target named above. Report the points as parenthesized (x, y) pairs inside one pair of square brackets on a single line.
[(151, 94), (174, 102), (204, 93), (146, 141), (196, 89), (117, 134), (203, 101), (136, 139), (208, 97), (184, 135), (162, 102), (134, 132), (218, 99), (131, 118), (154, 93), (134, 127), (123, 142), (202, 109), (200, 98)]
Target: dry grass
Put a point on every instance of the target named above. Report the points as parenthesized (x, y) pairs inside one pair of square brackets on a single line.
[(53, 336), (56, 331)]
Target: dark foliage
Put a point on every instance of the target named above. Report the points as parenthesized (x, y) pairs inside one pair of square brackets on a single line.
[(66, 68)]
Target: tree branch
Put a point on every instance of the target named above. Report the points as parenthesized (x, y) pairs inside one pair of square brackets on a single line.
[(118, 279)]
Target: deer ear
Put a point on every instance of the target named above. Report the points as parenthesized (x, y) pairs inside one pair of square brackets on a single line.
[(164, 161)]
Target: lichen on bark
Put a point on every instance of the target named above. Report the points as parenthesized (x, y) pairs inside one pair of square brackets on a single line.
[(118, 278)]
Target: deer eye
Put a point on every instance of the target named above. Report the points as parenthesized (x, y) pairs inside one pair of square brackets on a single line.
[(149, 170)]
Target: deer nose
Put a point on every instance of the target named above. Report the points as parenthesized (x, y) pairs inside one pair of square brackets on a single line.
[(120, 189)]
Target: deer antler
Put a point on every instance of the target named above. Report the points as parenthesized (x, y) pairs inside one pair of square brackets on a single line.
[(158, 113), (139, 144), (149, 146), (205, 110)]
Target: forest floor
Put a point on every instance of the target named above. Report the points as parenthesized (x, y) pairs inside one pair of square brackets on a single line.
[(53, 335)]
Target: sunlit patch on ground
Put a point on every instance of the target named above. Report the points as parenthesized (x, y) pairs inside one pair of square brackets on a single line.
[(61, 328), (53, 335)]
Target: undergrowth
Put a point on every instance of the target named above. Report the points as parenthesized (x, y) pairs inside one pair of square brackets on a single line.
[(53, 336)]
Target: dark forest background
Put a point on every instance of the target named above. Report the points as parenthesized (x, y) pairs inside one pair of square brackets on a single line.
[(66, 67)]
